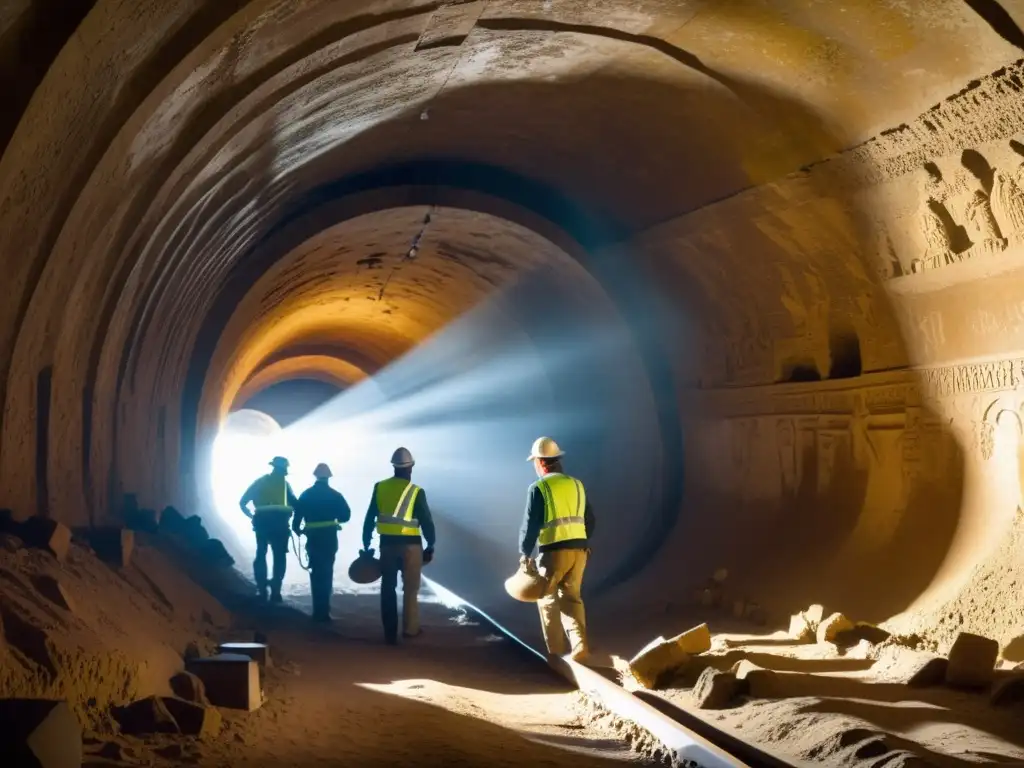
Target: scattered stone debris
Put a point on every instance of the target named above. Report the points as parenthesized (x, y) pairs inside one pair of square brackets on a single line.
[(145, 717), (171, 521), (194, 719), (972, 661), (37, 732), (715, 689), (215, 553), (803, 626), (113, 545), (662, 658)]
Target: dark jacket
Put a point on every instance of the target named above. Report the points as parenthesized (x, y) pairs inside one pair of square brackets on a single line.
[(320, 503), (420, 511), (533, 521)]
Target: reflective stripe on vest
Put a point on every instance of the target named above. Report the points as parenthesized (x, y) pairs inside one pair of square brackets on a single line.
[(322, 524), (272, 495), (394, 516), (564, 502)]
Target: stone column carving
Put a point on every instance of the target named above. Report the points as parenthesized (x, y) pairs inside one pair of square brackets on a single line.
[(1008, 205)]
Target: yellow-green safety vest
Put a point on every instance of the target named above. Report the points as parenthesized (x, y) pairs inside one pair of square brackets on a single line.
[(564, 502), (396, 498), (272, 494)]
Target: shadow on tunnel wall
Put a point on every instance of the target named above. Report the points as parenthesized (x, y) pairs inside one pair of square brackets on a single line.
[(602, 158)]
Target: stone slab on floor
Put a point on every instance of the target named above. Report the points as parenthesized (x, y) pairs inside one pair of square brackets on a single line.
[(39, 733)]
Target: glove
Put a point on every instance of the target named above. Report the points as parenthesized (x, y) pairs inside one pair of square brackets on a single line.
[(366, 552), (525, 561), (428, 555)]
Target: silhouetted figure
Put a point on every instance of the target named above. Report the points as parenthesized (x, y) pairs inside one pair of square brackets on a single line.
[(323, 510), (273, 500)]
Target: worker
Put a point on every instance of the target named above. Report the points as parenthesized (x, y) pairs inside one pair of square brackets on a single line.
[(323, 510), (559, 520), (399, 512), (273, 500)]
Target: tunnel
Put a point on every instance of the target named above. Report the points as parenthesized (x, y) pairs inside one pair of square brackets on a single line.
[(746, 261)]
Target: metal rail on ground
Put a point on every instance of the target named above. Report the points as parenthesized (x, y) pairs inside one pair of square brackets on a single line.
[(689, 739)]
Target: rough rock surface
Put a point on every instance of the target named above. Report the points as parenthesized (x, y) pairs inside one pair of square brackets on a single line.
[(715, 689), (830, 628)]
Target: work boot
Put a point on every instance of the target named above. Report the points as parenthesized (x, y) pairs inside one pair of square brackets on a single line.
[(321, 618), (262, 593), (275, 596)]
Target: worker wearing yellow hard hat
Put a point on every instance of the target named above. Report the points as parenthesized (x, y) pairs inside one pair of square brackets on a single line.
[(399, 513), (319, 514), (273, 502), (559, 521)]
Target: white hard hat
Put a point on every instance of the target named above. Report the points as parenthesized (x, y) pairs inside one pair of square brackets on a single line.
[(322, 471), (402, 458), (544, 448)]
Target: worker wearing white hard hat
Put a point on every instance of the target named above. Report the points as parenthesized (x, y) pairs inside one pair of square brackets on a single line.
[(399, 513), (559, 521), (273, 502), (323, 510)]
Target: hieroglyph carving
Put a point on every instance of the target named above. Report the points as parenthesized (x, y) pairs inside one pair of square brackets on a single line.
[(973, 377)]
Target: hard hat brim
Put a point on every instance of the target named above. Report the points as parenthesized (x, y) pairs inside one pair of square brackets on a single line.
[(558, 455)]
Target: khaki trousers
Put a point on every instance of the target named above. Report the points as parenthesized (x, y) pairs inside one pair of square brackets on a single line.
[(406, 559), (561, 608)]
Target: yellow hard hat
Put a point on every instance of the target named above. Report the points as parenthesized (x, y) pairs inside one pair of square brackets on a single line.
[(322, 471), (545, 448)]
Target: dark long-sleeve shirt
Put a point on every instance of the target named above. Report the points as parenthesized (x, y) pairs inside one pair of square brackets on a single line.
[(320, 503), (533, 521), (420, 511)]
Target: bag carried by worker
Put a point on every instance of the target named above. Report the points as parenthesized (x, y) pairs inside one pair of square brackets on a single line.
[(365, 569), (526, 584)]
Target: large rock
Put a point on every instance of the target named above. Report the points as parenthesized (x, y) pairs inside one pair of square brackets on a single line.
[(190, 688), (113, 545), (194, 719), (694, 641), (972, 661), (755, 681), (799, 628), (44, 533), (831, 627), (38, 733), (146, 716), (715, 689), (1009, 690), (927, 672), (231, 680), (815, 614), (215, 553), (656, 661), (171, 521), (194, 532)]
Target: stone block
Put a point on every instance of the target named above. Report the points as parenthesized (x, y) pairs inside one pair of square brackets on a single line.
[(194, 719), (928, 672), (44, 533), (832, 626), (54, 591), (695, 640), (715, 689), (215, 553), (799, 629), (194, 532), (761, 683), (171, 521), (231, 680), (1008, 691), (258, 652), (113, 545), (741, 669), (814, 615), (656, 660), (189, 687), (972, 661), (146, 716), (39, 733)]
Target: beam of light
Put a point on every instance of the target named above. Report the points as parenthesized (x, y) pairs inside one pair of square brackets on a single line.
[(469, 402)]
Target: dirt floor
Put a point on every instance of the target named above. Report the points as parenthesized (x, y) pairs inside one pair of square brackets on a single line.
[(829, 706), (101, 636)]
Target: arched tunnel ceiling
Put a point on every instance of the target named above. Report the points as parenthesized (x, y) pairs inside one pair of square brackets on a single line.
[(748, 163)]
